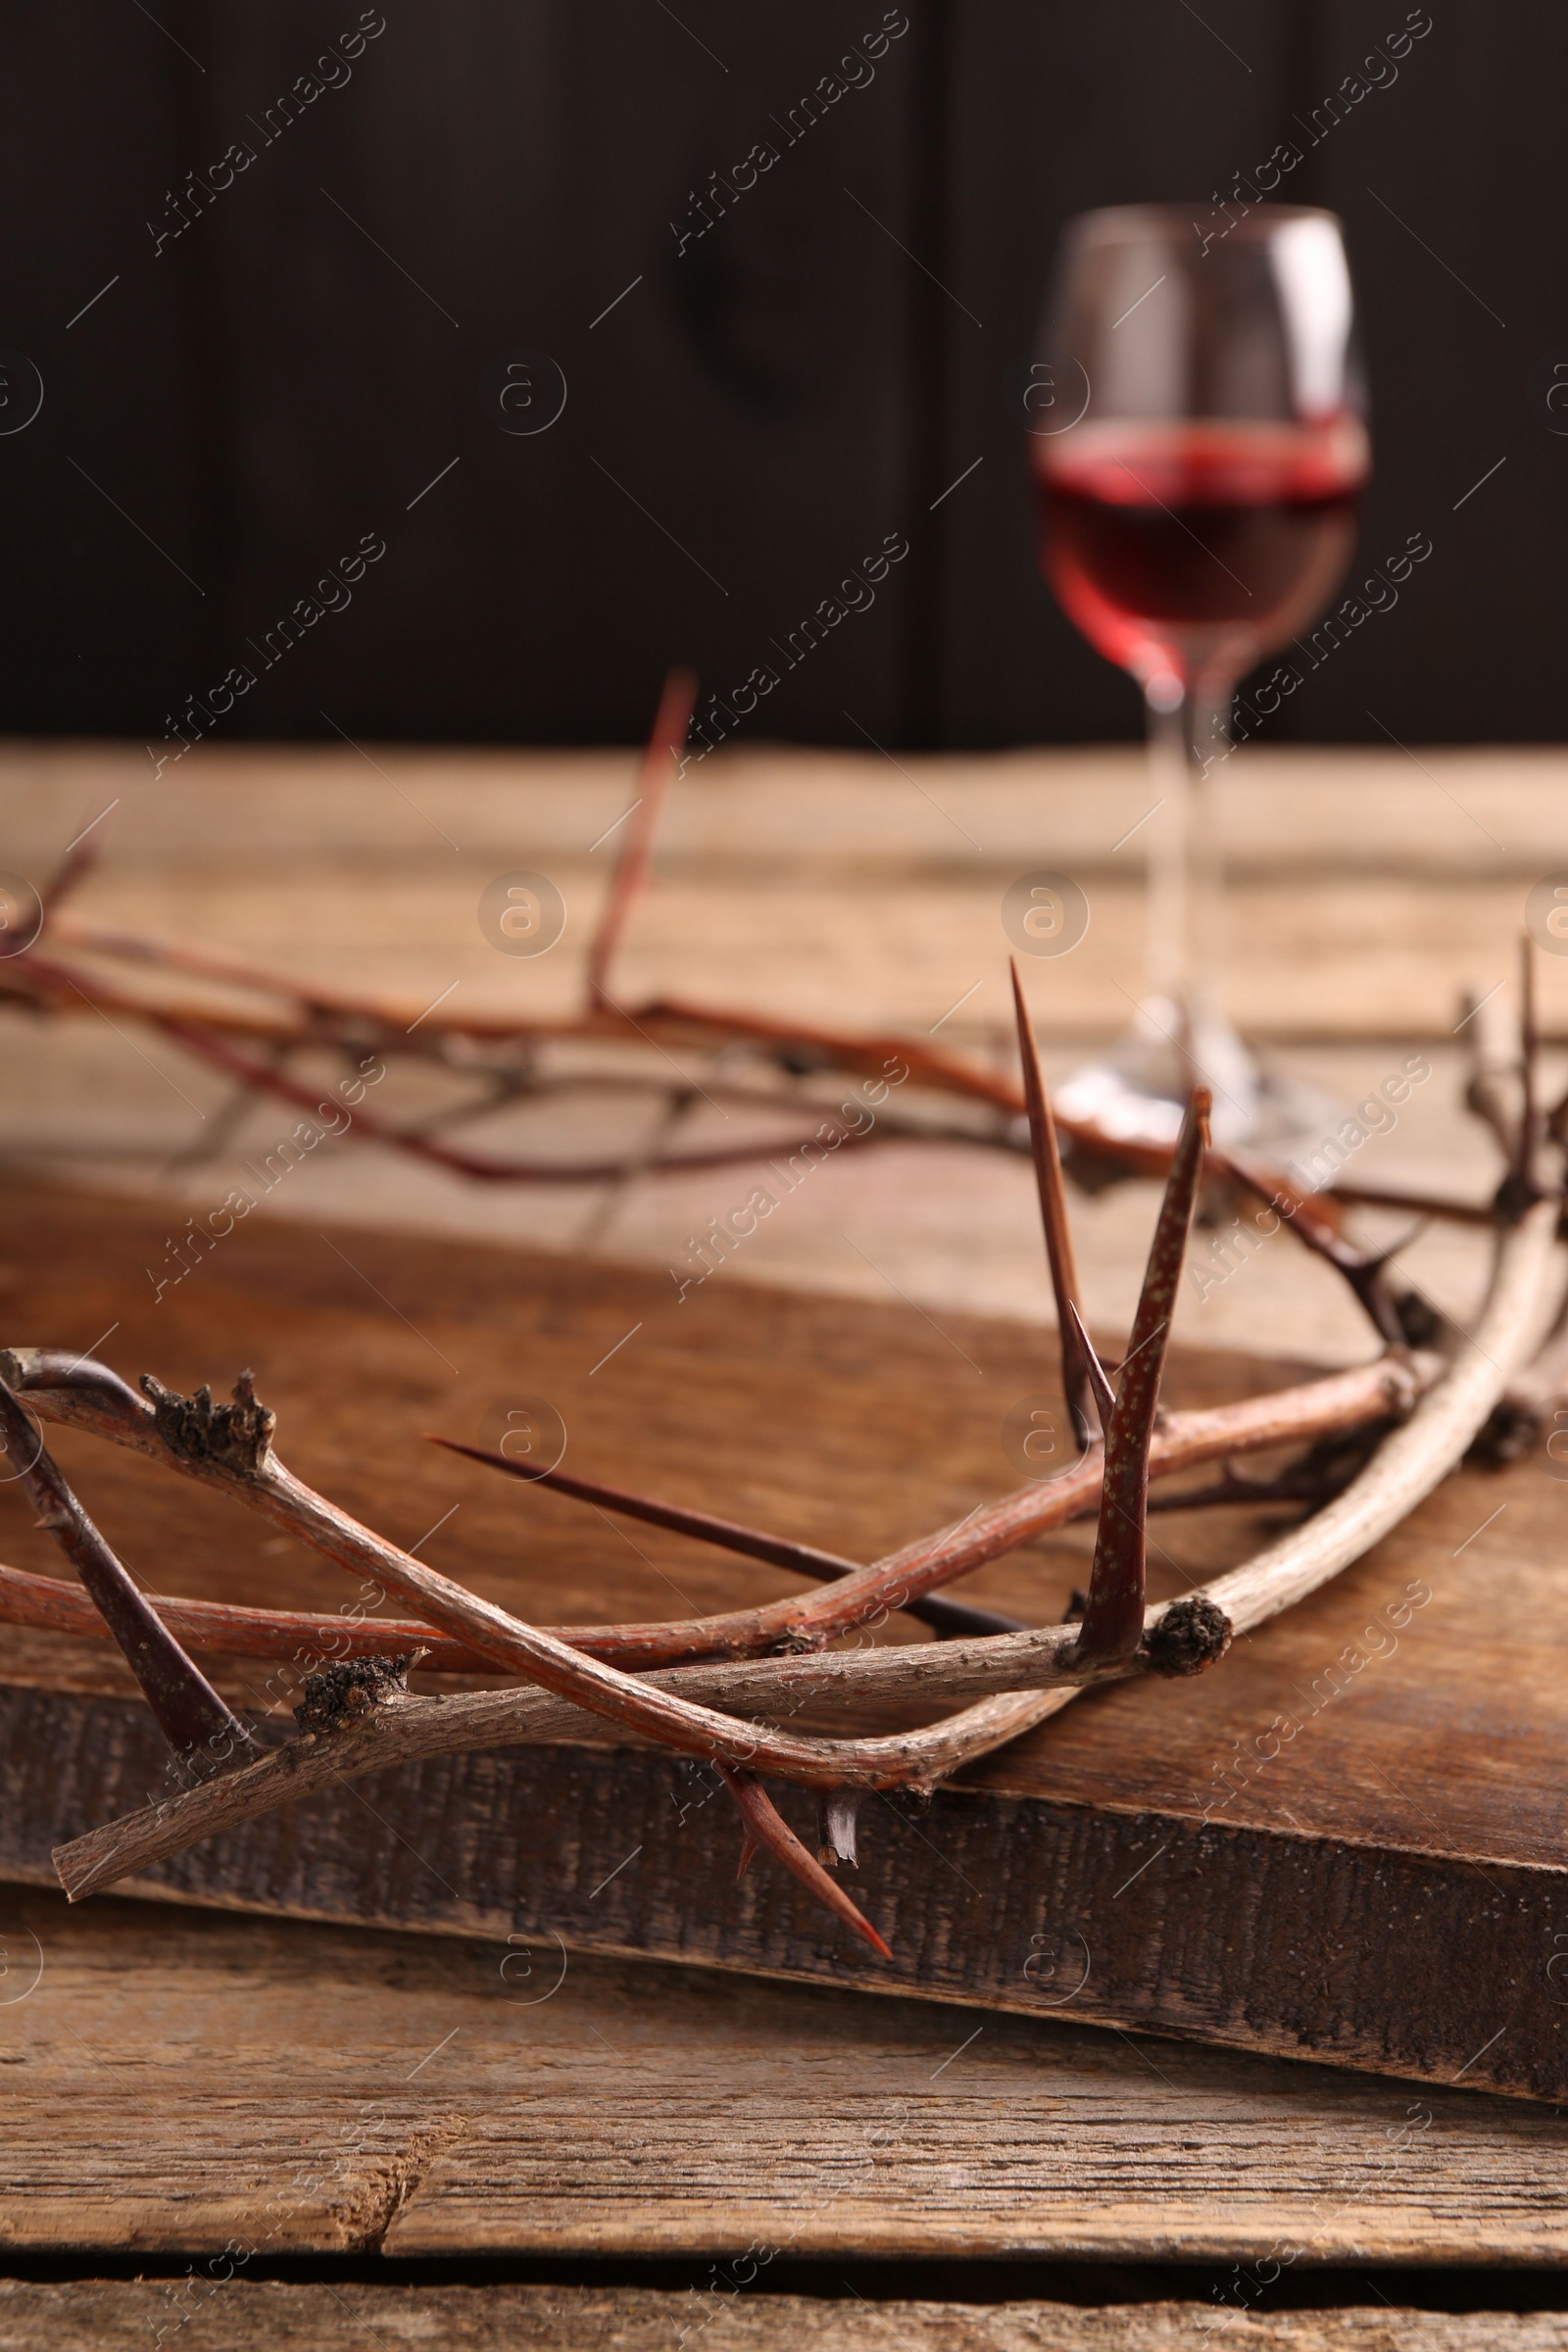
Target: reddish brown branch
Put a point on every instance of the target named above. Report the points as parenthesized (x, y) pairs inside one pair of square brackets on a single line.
[(328, 1016), (335, 1018), (424, 1144), (1114, 1615), (306, 1638), (72, 869), (1340, 1401), (1366, 1271), (233, 1442), (1437, 1206)]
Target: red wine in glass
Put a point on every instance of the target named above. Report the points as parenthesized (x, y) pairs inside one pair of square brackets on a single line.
[(1200, 538)]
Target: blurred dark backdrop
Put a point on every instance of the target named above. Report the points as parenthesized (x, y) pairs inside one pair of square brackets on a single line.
[(486, 181)]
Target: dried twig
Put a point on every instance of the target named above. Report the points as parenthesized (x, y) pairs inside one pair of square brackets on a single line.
[(1524, 1161), (727, 1709), (1325, 1470), (171, 1433), (1432, 1207), (320, 1014), (305, 1637), (1363, 1399), (1366, 1271), (1492, 1066)]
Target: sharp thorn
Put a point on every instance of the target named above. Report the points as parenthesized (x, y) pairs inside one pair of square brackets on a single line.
[(951, 1619), (1076, 1381), (774, 1831)]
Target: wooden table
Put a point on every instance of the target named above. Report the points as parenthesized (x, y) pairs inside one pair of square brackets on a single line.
[(177, 2084), (1368, 890)]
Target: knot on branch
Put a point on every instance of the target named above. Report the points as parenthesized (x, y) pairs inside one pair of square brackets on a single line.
[(1192, 1634), (236, 1436), (1509, 1432), (796, 1644), (344, 1693), (1515, 1197), (1423, 1324)]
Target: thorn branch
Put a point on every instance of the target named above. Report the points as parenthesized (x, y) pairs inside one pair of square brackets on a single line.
[(193, 1719), (1113, 1616)]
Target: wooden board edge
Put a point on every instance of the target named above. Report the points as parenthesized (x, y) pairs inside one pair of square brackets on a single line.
[(1302, 1948)]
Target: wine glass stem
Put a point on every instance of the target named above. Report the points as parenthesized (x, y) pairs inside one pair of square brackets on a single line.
[(1185, 740)]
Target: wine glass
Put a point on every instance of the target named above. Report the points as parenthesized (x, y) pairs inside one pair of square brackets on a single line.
[(1199, 447)]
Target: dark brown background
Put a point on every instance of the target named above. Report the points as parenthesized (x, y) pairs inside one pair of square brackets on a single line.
[(271, 386)]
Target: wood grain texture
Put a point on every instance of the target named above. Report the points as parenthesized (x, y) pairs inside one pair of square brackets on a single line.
[(820, 887), (119, 2316), (1380, 1885), (172, 2083)]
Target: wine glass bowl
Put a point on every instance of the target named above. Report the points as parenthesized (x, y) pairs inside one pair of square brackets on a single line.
[(1201, 546)]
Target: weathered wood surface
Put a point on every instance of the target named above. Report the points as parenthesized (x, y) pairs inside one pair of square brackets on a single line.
[(119, 2316), (1364, 897), (1384, 1891), (1369, 886), (174, 2083)]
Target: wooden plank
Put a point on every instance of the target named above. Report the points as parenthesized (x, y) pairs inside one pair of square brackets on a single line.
[(1307, 1947), (1380, 1886), (820, 887), (174, 2081), (117, 2316), (823, 885)]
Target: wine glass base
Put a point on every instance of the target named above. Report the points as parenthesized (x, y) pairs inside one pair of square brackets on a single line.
[(1137, 1093)]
